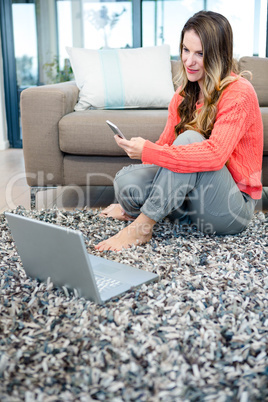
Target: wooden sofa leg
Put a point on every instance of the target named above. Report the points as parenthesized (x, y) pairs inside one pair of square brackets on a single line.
[(34, 191)]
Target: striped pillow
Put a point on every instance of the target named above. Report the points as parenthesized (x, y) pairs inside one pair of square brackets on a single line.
[(122, 78)]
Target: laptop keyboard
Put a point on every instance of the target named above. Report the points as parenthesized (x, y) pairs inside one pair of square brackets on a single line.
[(104, 283)]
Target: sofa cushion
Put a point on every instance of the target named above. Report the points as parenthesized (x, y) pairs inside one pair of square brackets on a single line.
[(259, 68), (122, 78), (86, 133)]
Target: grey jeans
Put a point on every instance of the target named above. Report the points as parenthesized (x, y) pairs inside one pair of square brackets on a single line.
[(209, 200)]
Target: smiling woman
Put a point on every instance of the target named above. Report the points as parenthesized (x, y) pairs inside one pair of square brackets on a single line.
[(198, 172)]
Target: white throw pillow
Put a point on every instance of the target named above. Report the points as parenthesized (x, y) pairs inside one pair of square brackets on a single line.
[(122, 78)]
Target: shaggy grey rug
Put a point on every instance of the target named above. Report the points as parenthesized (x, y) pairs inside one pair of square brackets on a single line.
[(199, 334)]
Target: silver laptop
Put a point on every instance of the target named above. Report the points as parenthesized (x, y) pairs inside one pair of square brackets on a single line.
[(48, 250)]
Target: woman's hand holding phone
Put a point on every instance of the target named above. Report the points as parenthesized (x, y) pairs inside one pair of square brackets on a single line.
[(132, 147)]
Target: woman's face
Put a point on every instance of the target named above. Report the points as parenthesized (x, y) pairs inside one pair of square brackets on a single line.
[(192, 57)]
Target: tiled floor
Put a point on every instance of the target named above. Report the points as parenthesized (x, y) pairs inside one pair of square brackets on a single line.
[(14, 190)]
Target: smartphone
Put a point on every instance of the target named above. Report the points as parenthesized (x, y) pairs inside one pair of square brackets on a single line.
[(115, 129)]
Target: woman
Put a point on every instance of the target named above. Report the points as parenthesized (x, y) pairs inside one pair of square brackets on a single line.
[(205, 169)]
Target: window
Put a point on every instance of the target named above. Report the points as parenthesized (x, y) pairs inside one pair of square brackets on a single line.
[(25, 47), (94, 25), (249, 21), (25, 43), (163, 21)]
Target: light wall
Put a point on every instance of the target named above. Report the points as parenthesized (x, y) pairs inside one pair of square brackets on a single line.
[(4, 144)]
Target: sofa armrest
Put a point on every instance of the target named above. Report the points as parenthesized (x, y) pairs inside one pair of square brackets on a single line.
[(41, 110)]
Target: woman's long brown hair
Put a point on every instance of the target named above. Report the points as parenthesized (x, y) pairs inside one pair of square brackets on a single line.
[(216, 37)]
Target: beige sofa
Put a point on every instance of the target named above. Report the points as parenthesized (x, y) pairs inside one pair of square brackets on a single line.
[(62, 147)]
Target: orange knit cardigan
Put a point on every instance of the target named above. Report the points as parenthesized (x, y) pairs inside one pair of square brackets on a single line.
[(236, 138)]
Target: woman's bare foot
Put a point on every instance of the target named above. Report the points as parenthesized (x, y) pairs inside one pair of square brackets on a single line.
[(138, 232), (116, 211)]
